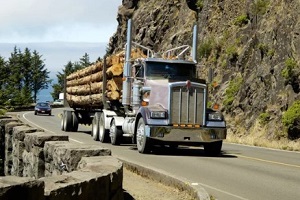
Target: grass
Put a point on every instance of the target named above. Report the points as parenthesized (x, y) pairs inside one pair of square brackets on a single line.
[(257, 137), (283, 144), (241, 20), (231, 91), (2, 112)]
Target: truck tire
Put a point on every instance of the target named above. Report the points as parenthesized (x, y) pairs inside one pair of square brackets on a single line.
[(213, 149), (142, 142), (68, 121), (62, 123), (103, 133), (75, 122), (115, 133), (95, 126)]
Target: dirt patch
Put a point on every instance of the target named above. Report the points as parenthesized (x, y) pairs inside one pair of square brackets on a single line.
[(137, 187)]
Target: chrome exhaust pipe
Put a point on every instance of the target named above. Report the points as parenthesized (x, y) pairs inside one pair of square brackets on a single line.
[(126, 92), (195, 43)]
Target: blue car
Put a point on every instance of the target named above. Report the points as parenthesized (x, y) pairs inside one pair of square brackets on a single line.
[(42, 108)]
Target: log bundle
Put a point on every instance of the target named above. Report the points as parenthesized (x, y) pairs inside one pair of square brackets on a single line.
[(84, 87)]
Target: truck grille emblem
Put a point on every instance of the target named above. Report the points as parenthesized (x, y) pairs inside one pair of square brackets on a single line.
[(188, 85)]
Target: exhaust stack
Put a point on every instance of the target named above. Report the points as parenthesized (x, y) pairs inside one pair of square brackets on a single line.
[(126, 96), (195, 43)]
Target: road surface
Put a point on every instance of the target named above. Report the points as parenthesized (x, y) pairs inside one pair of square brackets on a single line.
[(240, 172)]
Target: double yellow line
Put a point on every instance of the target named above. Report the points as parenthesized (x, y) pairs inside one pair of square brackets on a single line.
[(268, 161)]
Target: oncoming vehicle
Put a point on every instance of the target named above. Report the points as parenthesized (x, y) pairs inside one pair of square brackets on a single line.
[(163, 103), (42, 108)]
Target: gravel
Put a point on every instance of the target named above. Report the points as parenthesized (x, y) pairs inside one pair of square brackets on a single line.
[(139, 188)]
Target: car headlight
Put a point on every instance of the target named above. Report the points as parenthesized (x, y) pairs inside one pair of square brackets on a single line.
[(158, 115), (215, 116)]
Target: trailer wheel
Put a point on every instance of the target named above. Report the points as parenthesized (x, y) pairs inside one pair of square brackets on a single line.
[(95, 126), (213, 149), (103, 133), (68, 122), (75, 122), (115, 133), (142, 142), (62, 123)]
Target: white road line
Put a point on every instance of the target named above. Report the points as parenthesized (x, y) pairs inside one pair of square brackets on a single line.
[(24, 116), (75, 140), (222, 191)]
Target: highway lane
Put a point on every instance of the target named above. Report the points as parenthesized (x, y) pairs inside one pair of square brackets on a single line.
[(241, 172)]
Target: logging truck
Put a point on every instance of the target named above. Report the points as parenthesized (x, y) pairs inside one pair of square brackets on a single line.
[(150, 98)]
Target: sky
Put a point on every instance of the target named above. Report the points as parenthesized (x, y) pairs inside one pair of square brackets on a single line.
[(57, 20), (60, 30)]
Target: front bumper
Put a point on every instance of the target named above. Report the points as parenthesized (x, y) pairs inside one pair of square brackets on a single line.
[(186, 135), (43, 111)]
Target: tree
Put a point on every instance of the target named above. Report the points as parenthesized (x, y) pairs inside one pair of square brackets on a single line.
[(14, 74), (22, 77), (3, 80), (68, 69), (26, 69), (85, 61), (59, 86), (40, 75)]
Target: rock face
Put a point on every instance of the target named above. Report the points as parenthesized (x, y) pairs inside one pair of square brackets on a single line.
[(155, 24), (253, 48)]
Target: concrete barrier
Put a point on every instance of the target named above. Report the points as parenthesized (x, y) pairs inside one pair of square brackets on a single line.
[(37, 161), (42, 165)]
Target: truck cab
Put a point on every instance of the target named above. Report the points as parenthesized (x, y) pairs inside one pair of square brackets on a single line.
[(169, 107)]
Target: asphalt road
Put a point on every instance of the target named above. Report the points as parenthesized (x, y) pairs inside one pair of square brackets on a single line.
[(241, 172)]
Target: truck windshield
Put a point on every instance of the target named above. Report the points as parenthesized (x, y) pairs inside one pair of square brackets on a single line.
[(160, 70)]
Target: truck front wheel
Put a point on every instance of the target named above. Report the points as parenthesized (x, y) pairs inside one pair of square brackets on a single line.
[(213, 149), (142, 142), (115, 133)]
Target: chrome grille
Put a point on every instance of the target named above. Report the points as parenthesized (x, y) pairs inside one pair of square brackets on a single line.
[(187, 105)]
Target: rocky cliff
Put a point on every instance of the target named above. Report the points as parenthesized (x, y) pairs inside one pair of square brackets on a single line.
[(253, 47)]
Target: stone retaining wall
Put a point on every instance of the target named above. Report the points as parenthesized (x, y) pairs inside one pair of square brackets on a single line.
[(33, 160)]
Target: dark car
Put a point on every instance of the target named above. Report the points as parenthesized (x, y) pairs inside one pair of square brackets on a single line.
[(42, 108)]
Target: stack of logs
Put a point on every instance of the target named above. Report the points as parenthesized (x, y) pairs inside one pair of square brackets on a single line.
[(84, 87)]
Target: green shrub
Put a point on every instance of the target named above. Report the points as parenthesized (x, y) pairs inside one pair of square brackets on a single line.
[(264, 118), (271, 52), (232, 53), (205, 48), (209, 104), (2, 112), (291, 115), (259, 7), (288, 71), (231, 91), (199, 4), (263, 47), (241, 20)]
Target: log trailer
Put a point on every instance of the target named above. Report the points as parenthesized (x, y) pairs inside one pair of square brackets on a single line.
[(163, 103)]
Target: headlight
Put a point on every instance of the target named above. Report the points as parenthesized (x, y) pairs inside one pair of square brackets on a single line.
[(216, 116), (158, 114)]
